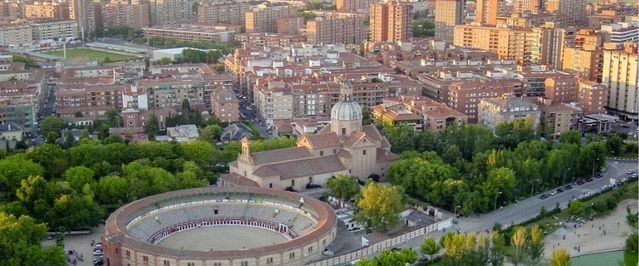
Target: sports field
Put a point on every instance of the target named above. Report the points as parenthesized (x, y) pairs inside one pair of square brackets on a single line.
[(228, 237), (100, 56)]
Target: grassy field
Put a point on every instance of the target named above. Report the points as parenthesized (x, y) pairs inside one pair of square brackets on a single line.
[(100, 56)]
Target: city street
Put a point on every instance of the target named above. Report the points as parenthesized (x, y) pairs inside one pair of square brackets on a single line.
[(248, 113), (529, 208)]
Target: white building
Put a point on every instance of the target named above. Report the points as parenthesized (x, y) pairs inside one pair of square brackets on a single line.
[(59, 29)]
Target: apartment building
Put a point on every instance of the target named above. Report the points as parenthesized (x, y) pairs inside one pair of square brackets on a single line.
[(448, 14), (507, 108), (126, 14), (87, 101), (336, 29), (290, 25), (170, 12), (620, 32), (265, 39), (391, 21), (56, 29), (46, 10), (15, 35), (169, 92), (464, 96), (561, 88), (224, 105), (361, 6), (527, 6), (555, 118), (592, 97), (263, 18), (487, 11), (620, 75), (193, 32), (585, 64), (572, 8), (507, 43), (84, 12), (10, 11), (547, 44), (224, 11)]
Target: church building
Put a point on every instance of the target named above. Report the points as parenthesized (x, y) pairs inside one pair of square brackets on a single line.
[(345, 146)]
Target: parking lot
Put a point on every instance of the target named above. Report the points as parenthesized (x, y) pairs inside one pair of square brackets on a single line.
[(80, 245)]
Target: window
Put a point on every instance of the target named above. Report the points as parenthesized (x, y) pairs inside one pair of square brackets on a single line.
[(244, 263), (128, 253), (321, 153), (217, 264), (270, 185), (291, 255), (343, 131), (166, 263), (190, 264), (269, 260), (310, 249), (145, 259), (292, 182), (364, 152)]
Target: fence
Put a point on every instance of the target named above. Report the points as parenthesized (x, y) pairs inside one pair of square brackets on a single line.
[(382, 245)]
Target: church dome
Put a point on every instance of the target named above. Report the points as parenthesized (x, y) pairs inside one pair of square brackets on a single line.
[(346, 110)]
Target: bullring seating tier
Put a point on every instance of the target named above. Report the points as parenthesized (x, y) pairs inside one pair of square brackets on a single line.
[(145, 222)]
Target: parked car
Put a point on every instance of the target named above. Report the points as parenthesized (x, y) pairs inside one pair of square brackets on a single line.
[(580, 182), (559, 190), (589, 179), (568, 187), (552, 193), (543, 196)]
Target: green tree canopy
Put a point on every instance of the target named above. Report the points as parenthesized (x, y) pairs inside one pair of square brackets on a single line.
[(20, 243), (379, 206), (343, 187)]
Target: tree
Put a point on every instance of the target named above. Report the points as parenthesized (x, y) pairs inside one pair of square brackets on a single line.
[(152, 127), (201, 152), (13, 170), (570, 136), (366, 116), (112, 117), (632, 243), (78, 177), (496, 256), (536, 244), (51, 157), (343, 187), (518, 241), (20, 243), (387, 257), (74, 211), (379, 206), (576, 207), (112, 190), (210, 133), (430, 247), (560, 257), (51, 125)]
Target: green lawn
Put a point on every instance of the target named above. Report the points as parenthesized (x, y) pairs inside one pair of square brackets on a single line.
[(91, 54)]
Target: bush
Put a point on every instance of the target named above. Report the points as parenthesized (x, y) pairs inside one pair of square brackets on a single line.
[(632, 243), (576, 207)]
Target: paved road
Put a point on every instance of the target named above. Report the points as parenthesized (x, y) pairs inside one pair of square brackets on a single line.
[(248, 113), (529, 208)]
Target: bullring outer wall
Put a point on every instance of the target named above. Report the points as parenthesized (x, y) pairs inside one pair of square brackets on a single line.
[(122, 249)]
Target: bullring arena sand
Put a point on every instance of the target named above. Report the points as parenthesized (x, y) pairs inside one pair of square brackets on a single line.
[(227, 237), (589, 237)]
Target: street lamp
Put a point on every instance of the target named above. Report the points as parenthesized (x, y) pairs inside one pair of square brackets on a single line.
[(497, 195)]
